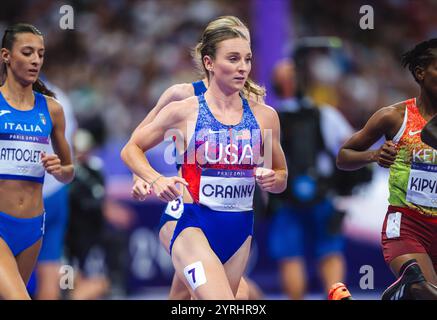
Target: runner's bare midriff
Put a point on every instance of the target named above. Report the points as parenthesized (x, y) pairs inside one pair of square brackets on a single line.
[(21, 199)]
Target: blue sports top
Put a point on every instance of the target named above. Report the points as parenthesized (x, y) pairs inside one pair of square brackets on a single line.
[(220, 160), (24, 136), (199, 88)]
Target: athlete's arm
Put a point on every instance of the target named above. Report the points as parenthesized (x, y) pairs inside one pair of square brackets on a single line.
[(173, 116), (274, 180), (177, 92), (354, 153), (58, 164)]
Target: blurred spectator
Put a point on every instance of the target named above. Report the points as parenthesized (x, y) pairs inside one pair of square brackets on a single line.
[(305, 223), (104, 77), (96, 226), (85, 245)]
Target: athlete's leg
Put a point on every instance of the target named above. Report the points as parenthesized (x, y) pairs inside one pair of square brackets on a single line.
[(236, 266), (332, 269), (407, 242), (433, 253), (293, 277), (412, 283), (255, 292), (243, 290), (247, 290), (325, 224), (26, 260), (422, 259), (178, 290), (425, 290), (287, 246), (199, 267), (12, 286), (91, 288), (48, 276), (166, 233)]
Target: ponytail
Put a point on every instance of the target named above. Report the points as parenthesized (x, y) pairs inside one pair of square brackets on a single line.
[(40, 87), (197, 58), (254, 90)]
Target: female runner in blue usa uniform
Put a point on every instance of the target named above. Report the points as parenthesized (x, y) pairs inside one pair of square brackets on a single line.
[(29, 118), (222, 149), (174, 209)]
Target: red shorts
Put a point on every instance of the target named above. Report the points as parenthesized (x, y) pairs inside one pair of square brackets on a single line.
[(407, 231)]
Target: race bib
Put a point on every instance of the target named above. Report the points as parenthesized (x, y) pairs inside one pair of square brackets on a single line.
[(22, 157), (175, 208), (422, 185), (227, 190)]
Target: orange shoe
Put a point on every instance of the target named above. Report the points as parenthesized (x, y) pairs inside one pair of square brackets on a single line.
[(339, 291)]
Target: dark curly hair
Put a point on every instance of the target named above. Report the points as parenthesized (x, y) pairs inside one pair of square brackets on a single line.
[(421, 56)]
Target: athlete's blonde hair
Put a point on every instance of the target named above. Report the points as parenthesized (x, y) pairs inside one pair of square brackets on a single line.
[(220, 29)]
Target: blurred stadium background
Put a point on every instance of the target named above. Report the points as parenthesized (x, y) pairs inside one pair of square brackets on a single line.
[(122, 54)]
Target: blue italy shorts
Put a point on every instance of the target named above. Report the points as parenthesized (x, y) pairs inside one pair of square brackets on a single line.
[(21, 233), (225, 231)]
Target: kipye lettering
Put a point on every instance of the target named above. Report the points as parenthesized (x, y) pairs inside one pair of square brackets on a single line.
[(422, 184)]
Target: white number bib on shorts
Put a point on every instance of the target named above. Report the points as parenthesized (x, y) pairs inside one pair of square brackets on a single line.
[(422, 185), (175, 208), (227, 190)]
